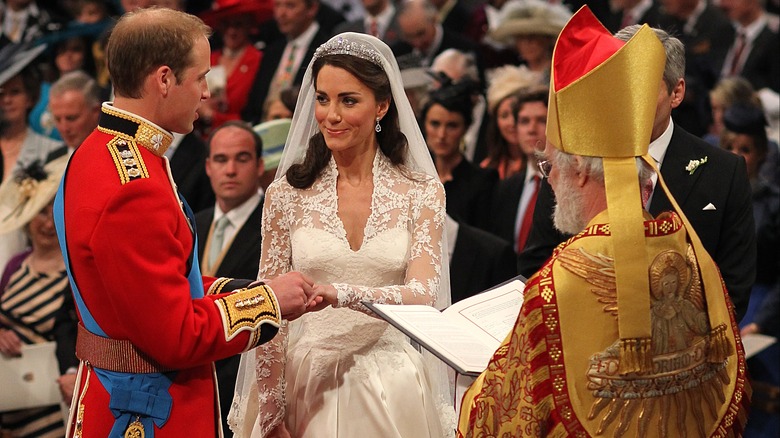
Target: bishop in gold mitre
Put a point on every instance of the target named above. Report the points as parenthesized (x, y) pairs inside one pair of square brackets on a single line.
[(627, 330)]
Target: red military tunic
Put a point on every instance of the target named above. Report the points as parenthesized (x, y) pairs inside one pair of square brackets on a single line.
[(130, 245)]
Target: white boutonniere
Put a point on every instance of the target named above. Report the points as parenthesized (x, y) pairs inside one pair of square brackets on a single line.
[(694, 164)]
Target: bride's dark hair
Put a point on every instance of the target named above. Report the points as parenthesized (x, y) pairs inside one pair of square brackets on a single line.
[(392, 142)]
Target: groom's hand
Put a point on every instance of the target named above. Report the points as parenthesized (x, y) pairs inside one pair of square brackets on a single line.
[(294, 291)]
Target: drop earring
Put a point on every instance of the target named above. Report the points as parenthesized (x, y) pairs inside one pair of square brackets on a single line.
[(378, 127)]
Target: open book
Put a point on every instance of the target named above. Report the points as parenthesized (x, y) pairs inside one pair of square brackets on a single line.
[(464, 335)]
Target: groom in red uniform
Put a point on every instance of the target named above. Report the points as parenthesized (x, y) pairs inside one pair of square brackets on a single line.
[(151, 325)]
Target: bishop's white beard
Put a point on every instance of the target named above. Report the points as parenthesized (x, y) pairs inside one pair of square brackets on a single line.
[(567, 214)]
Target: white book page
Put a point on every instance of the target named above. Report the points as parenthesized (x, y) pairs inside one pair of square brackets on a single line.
[(449, 338), (489, 315), (468, 332), (755, 343)]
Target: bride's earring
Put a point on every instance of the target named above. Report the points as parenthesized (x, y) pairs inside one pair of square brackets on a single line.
[(378, 127)]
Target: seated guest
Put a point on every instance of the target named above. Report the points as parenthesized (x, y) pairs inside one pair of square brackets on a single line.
[(745, 135), (19, 90), (36, 304), (627, 330), (423, 37), (532, 26), (503, 150), (445, 118), (453, 66), (728, 92), (236, 62), (229, 231), (285, 59), (514, 200), (380, 20), (74, 103)]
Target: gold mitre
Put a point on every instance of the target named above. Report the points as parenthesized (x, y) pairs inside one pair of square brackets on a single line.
[(603, 91), (602, 104)]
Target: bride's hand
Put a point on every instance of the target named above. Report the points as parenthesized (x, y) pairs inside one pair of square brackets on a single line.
[(279, 431), (326, 295)]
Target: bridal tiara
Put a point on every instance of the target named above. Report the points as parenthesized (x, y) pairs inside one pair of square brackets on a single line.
[(343, 46)]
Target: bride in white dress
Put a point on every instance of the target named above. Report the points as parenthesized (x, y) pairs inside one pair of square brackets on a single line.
[(357, 206)]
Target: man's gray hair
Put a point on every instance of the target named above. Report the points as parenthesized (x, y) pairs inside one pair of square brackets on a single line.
[(594, 166), (674, 70), (460, 61), (419, 6), (77, 81)]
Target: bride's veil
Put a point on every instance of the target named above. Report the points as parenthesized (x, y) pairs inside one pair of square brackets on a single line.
[(418, 159)]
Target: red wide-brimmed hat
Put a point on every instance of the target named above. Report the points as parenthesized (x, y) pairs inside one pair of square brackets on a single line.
[(258, 10)]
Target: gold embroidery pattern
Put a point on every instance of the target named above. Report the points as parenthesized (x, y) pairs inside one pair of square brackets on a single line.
[(127, 159), (148, 136), (248, 309), (218, 285), (681, 375)]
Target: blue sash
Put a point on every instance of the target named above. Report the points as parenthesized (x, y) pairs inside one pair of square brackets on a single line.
[(142, 397)]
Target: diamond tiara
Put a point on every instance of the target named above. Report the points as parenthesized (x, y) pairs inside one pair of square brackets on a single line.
[(342, 46)]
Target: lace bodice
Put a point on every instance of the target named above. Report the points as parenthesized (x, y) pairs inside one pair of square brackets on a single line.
[(399, 262)]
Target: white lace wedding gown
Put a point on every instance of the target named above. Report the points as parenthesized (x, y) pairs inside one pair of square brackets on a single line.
[(348, 374)]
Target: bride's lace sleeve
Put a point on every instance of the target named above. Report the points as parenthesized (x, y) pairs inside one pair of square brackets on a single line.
[(275, 259), (423, 272)]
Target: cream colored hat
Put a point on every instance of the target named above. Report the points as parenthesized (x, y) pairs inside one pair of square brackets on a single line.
[(530, 17), (507, 80), (21, 198)]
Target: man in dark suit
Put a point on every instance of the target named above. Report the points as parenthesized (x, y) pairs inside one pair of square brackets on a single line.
[(187, 157), (381, 21), (511, 214), (229, 232), (478, 261), (453, 14), (423, 37), (707, 34), (709, 184), (284, 61), (753, 55), (630, 12)]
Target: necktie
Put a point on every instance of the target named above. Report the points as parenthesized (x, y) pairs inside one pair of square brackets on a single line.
[(373, 29), (217, 239), (739, 47), (286, 78), (647, 192), (528, 217)]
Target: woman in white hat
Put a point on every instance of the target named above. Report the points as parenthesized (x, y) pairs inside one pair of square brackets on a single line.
[(36, 304), (504, 153), (532, 26), (19, 89)]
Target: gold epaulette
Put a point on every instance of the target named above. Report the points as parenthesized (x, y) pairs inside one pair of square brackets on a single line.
[(127, 159)]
